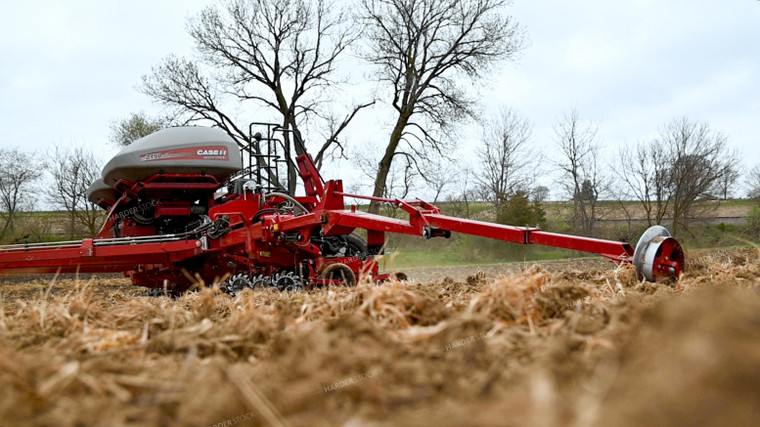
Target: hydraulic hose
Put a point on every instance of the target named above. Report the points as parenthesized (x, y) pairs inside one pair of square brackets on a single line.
[(290, 199)]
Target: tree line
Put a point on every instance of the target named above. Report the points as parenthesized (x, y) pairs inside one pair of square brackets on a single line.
[(675, 177), (290, 58)]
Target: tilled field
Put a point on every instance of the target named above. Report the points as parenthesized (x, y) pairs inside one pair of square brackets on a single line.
[(572, 343)]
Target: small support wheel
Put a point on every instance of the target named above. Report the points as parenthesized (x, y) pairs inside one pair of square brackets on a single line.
[(339, 271), (658, 255)]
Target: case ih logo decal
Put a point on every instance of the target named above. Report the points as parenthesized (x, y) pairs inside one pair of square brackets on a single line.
[(212, 152)]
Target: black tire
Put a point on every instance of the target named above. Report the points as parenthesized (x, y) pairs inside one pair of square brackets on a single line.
[(356, 246)]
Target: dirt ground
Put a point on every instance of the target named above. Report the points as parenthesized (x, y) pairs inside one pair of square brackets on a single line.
[(576, 343)]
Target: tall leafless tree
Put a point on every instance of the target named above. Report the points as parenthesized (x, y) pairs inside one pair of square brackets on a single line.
[(644, 171), (674, 173), (508, 164), (72, 171), (699, 158), (279, 54), (18, 173), (580, 167), (421, 49)]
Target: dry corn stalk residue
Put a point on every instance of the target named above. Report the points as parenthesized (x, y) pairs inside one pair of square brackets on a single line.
[(554, 344)]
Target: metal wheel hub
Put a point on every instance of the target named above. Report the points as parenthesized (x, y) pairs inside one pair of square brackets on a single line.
[(339, 271), (236, 284), (658, 255), (287, 282), (261, 281)]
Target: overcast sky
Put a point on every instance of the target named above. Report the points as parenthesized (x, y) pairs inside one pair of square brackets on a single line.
[(68, 69)]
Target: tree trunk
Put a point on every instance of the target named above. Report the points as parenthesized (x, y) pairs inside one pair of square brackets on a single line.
[(384, 167), (289, 169), (8, 227)]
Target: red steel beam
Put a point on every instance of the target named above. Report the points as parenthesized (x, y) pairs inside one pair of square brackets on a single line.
[(617, 251), (507, 233), (367, 221), (97, 259)]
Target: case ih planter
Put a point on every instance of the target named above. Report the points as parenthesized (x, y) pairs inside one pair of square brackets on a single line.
[(187, 204)]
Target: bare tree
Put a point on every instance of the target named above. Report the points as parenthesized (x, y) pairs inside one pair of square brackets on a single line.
[(420, 48), (72, 171), (580, 168), (753, 181), (18, 173), (128, 130), (508, 165), (699, 159), (539, 194), (724, 187), (686, 164), (279, 54), (644, 171)]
